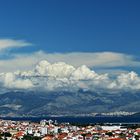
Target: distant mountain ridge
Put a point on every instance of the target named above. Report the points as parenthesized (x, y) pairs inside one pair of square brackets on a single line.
[(22, 103)]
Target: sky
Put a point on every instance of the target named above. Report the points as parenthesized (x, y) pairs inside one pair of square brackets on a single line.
[(73, 25), (104, 35)]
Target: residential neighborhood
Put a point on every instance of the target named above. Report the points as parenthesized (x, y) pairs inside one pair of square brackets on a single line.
[(51, 130)]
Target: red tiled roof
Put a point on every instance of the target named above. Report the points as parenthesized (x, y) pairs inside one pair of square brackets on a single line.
[(48, 137), (88, 135), (115, 139), (19, 134), (62, 135), (138, 130)]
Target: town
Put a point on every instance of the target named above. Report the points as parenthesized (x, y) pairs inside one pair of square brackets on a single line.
[(52, 130)]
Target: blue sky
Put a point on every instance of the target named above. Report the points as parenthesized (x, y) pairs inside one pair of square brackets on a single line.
[(65, 26)]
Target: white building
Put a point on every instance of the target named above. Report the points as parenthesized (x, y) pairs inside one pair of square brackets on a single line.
[(44, 130)]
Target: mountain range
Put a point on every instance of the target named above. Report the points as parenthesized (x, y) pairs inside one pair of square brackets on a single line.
[(25, 103)]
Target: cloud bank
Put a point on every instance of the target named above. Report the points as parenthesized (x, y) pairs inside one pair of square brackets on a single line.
[(76, 59), (60, 76), (65, 71)]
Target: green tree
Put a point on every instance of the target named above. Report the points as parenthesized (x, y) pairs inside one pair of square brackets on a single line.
[(109, 134)]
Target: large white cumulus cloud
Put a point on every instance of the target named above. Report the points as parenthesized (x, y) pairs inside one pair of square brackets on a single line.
[(59, 69), (64, 77), (128, 81), (11, 81)]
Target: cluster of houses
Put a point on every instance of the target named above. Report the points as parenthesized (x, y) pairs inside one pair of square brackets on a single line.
[(49, 130)]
